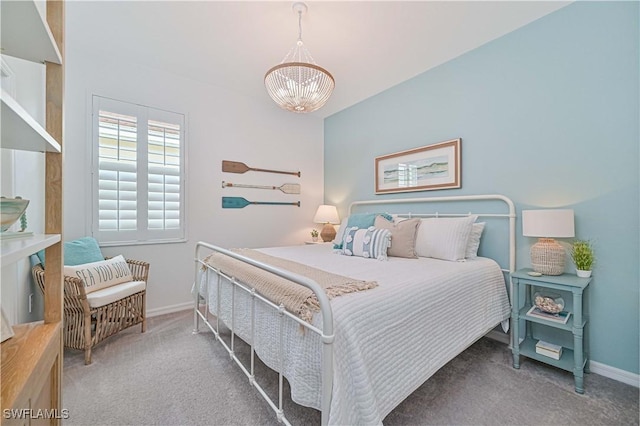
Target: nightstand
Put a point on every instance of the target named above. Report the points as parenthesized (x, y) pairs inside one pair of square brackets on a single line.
[(316, 242), (575, 351)]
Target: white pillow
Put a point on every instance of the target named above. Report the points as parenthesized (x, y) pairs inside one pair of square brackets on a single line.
[(444, 238), (98, 275), (340, 234), (371, 243), (474, 240)]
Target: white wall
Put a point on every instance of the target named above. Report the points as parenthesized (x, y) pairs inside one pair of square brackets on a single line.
[(221, 125)]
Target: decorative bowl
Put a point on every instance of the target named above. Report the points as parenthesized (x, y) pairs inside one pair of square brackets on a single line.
[(10, 211), (549, 302)]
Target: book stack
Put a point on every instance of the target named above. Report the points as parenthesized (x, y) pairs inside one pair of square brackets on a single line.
[(548, 349), (561, 317)]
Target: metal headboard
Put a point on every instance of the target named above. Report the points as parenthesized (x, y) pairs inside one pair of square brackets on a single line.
[(511, 214)]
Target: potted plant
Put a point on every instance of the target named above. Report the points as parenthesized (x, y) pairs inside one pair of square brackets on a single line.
[(583, 257), (314, 235)]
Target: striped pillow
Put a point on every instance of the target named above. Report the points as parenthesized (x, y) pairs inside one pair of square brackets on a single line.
[(371, 243)]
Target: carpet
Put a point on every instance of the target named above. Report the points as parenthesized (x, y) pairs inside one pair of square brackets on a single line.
[(169, 376)]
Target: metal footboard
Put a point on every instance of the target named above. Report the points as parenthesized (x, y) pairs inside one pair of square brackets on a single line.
[(326, 333)]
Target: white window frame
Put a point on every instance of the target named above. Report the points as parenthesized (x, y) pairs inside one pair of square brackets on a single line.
[(142, 235)]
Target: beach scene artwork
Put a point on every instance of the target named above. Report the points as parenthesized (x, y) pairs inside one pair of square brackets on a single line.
[(425, 168), (417, 172)]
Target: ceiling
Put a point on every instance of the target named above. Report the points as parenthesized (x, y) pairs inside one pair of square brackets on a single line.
[(368, 46)]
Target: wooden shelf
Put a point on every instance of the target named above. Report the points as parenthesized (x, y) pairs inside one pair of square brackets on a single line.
[(567, 327), (15, 249), (31, 368), (528, 349), (21, 131), (27, 359), (25, 33)]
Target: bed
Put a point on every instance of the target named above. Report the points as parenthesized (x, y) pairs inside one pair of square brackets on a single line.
[(364, 352)]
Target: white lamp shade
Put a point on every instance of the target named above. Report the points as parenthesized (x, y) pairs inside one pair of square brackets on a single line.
[(548, 223), (326, 214)]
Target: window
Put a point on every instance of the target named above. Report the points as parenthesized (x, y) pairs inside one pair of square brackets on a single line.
[(138, 174)]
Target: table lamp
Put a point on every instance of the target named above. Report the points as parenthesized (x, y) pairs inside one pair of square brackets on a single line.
[(328, 215), (547, 256)]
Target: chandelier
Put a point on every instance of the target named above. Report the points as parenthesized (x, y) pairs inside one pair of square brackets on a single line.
[(298, 84)]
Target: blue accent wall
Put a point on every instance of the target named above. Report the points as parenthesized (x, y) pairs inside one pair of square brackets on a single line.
[(548, 116)]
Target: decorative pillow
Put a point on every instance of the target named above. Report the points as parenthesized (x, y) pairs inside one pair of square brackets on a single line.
[(444, 238), (474, 240), (78, 252), (371, 243), (403, 236), (98, 275), (359, 220)]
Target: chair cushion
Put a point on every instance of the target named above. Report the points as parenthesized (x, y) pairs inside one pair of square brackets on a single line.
[(115, 292), (98, 275), (78, 252)]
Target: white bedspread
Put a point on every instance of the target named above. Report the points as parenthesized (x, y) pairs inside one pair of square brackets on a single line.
[(390, 339)]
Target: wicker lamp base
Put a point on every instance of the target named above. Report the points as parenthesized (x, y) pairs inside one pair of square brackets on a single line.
[(548, 257)]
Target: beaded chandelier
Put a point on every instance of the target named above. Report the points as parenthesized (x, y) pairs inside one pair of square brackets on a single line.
[(298, 84)]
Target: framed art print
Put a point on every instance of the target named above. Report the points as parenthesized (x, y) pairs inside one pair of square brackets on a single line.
[(426, 168)]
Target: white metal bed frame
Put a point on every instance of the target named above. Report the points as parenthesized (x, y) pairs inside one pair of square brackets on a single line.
[(326, 333)]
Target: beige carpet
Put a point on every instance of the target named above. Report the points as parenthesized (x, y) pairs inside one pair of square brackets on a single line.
[(168, 376)]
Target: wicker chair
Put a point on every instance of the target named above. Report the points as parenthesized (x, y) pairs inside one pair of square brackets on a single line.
[(86, 326)]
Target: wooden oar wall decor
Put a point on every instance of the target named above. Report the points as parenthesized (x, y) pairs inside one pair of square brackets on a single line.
[(287, 188), (238, 167), (240, 202)]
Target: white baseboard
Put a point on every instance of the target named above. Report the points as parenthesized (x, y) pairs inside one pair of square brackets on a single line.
[(169, 309), (615, 373)]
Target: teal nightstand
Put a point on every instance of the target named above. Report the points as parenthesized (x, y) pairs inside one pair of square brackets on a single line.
[(573, 358)]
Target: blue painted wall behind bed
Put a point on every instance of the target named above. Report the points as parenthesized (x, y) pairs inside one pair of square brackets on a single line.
[(548, 115)]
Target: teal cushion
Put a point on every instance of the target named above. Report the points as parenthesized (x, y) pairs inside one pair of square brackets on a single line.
[(362, 221), (78, 252)]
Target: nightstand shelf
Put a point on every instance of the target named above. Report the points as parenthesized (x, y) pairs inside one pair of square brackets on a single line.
[(574, 359), (528, 349), (568, 326)]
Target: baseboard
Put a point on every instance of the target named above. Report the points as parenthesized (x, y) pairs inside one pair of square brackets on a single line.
[(615, 373), (169, 309)]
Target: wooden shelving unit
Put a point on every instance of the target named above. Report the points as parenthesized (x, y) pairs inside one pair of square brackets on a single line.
[(26, 35), (18, 248), (31, 360), (21, 131)]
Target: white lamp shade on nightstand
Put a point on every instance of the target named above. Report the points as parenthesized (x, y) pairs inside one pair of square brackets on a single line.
[(328, 215), (547, 256)]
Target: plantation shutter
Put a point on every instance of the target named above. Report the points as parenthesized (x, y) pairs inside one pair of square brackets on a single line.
[(164, 186), (117, 179), (138, 182)]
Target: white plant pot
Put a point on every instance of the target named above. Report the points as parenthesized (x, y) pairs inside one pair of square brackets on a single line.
[(583, 274)]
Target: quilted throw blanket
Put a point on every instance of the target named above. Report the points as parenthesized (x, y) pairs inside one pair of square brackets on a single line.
[(296, 298)]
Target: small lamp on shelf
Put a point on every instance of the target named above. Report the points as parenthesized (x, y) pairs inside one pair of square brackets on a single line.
[(328, 215), (547, 255)]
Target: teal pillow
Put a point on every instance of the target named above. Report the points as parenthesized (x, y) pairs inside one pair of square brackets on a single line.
[(362, 221), (78, 252)]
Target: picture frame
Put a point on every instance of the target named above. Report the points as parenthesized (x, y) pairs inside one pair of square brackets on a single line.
[(426, 168)]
